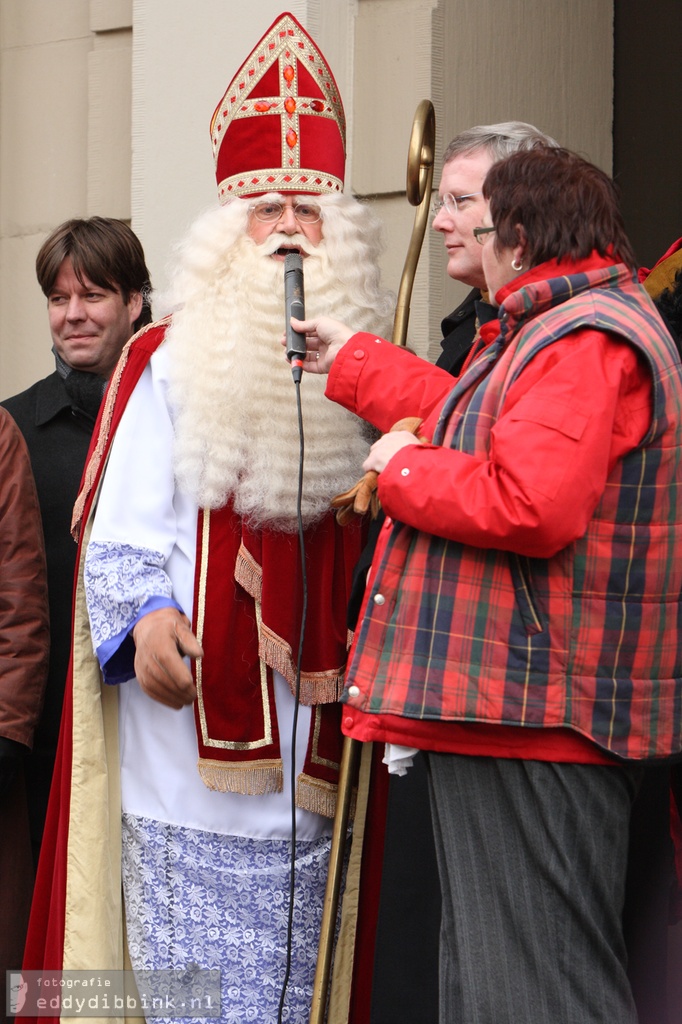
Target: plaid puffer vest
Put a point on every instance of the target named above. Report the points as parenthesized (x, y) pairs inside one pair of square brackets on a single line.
[(589, 638)]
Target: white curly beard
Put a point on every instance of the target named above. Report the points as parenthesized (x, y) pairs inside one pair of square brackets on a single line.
[(232, 391)]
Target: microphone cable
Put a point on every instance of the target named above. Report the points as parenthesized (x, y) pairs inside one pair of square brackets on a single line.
[(297, 692)]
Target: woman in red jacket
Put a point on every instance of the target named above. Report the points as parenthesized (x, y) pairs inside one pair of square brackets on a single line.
[(522, 619)]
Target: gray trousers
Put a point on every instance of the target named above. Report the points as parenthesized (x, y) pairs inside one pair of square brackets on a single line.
[(532, 859)]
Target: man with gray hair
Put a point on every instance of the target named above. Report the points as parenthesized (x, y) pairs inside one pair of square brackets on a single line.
[(458, 209)]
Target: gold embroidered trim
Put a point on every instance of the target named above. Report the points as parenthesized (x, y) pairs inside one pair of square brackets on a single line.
[(248, 573), (200, 620), (276, 105), (92, 468), (251, 778), (315, 752), (277, 180), (206, 739)]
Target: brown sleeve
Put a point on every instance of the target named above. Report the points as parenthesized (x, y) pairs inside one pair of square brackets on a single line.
[(24, 628)]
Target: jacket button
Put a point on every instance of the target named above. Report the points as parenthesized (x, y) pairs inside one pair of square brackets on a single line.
[(353, 691), (359, 353), (379, 599), (404, 472), (348, 721)]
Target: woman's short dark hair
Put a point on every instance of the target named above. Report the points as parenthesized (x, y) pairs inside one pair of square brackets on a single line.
[(102, 249), (566, 206)]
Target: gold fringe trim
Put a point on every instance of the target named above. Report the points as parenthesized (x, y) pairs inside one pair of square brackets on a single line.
[(248, 573), (250, 778), (318, 796), (276, 653), (316, 687), (92, 468), (321, 688)]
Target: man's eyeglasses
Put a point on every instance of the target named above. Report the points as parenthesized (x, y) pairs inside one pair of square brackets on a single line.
[(453, 204), (481, 234), (270, 212)]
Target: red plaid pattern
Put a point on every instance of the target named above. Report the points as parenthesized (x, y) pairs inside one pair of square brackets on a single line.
[(589, 638)]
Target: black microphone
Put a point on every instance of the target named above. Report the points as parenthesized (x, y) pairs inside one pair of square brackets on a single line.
[(294, 306)]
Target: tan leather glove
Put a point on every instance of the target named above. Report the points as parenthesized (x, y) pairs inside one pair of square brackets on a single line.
[(362, 496)]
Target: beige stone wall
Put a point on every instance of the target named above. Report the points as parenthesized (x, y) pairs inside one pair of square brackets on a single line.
[(480, 61), (105, 106), (65, 102)]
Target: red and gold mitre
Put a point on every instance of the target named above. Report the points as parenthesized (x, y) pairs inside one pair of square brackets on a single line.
[(280, 126)]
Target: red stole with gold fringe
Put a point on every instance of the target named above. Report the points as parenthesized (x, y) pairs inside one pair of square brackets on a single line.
[(248, 603)]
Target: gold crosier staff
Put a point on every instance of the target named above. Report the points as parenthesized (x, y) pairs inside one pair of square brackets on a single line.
[(419, 180)]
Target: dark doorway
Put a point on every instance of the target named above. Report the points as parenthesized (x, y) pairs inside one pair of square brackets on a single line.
[(647, 153)]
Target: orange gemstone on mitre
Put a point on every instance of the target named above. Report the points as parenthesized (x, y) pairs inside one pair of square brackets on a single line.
[(292, 138), (290, 104), (288, 74)]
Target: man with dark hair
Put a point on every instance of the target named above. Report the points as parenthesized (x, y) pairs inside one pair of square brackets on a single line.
[(96, 282)]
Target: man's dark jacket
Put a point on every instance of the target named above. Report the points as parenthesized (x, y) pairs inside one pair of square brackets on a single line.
[(458, 330)]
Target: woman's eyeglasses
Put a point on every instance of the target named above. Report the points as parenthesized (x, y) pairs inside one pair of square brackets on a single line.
[(481, 234)]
